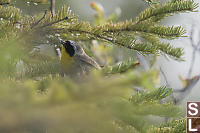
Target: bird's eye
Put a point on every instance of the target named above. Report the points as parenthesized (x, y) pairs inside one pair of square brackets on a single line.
[(70, 49), (67, 43)]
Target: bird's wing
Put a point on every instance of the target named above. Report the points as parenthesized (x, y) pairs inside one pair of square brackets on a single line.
[(88, 60)]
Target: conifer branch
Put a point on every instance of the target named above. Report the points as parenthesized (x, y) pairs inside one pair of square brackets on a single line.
[(166, 9), (35, 24), (155, 95), (174, 126), (60, 16), (10, 13), (161, 31), (55, 22), (120, 68), (165, 48)]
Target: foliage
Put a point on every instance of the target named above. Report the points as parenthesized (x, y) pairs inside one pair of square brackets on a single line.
[(61, 105), (3, 2), (175, 126)]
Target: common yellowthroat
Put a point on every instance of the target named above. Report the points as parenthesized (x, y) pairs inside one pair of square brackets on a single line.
[(74, 60)]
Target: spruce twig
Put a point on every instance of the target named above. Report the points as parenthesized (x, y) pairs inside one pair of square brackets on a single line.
[(55, 22), (35, 24)]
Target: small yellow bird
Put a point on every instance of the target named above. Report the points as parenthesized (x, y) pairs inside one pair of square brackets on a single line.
[(74, 60)]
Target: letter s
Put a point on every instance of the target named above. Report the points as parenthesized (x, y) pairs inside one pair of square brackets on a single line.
[(193, 108)]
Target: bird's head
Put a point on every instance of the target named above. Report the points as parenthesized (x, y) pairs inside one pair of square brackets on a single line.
[(72, 48)]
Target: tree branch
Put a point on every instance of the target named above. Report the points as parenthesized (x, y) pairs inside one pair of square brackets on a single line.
[(49, 24), (186, 90), (35, 24), (52, 7)]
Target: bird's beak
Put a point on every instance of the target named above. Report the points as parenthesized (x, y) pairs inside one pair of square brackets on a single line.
[(62, 42)]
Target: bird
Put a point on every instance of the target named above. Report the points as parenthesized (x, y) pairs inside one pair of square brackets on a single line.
[(74, 60)]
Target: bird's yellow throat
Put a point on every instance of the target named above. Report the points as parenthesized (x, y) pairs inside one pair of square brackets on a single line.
[(66, 60)]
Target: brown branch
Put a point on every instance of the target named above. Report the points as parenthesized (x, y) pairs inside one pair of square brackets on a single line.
[(186, 90), (52, 7), (49, 24), (35, 24), (195, 49), (192, 63)]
